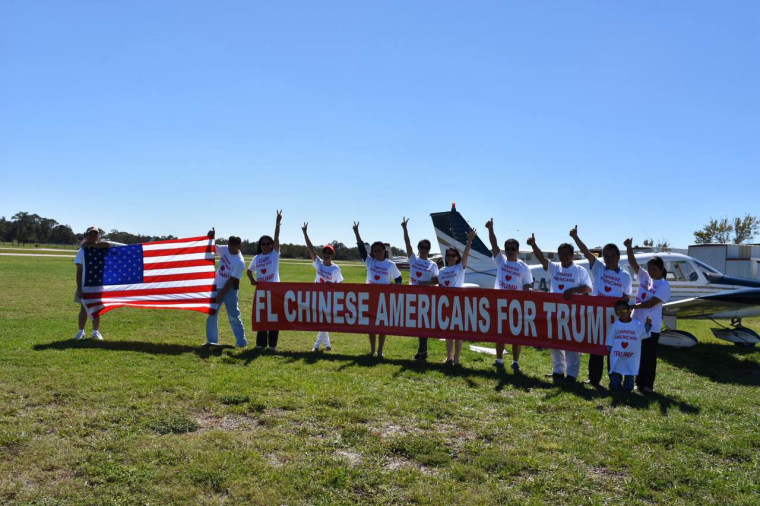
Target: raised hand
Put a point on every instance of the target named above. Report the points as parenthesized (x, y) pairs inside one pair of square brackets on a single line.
[(489, 224), (628, 243), (471, 235), (279, 216), (574, 232), (305, 226), (404, 222), (212, 233), (531, 240), (356, 227)]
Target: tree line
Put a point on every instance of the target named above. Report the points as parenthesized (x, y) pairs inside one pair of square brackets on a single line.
[(27, 228)]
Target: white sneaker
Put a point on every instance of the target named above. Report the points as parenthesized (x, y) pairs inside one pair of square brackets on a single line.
[(96, 335), (80, 335)]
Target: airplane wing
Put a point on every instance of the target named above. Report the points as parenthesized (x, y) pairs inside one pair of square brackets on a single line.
[(708, 305)]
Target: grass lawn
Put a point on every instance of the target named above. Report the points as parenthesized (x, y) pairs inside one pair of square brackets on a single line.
[(149, 416)]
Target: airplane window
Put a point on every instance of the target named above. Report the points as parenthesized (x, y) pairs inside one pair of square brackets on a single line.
[(706, 268), (680, 270)]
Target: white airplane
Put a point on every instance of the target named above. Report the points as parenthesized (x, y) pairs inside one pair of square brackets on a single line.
[(697, 290)]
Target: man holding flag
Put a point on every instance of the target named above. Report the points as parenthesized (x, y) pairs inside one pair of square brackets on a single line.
[(227, 282)]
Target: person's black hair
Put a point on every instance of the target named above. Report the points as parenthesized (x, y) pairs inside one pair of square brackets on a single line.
[(258, 244), (512, 241), (425, 241), (234, 240), (566, 245), (611, 246), (657, 261), (381, 243), (459, 256), (621, 302)]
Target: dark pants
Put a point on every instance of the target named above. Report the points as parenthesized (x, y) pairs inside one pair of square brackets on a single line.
[(422, 347), (596, 367), (267, 338), (648, 364)]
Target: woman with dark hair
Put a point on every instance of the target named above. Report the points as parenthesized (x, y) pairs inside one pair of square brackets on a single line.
[(380, 271), (654, 290), (452, 276), (266, 264), (422, 272)]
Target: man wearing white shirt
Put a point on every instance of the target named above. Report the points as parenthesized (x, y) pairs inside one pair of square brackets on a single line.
[(610, 280), (568, 279), (511, 274), (227, 282)]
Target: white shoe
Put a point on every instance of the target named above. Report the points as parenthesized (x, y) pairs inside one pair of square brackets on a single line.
[(80, 335), (96, 335)]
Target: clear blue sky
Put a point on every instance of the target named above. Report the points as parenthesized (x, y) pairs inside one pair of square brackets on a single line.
[(168, 117)]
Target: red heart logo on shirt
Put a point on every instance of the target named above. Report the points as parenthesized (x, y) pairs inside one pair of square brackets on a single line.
[(643, 296), (321, 280), (222, 268), (377, 277), (446, 283), (419, 274), (607, 288), (509, 277), (624, 344), (561, 287), (263, 271)]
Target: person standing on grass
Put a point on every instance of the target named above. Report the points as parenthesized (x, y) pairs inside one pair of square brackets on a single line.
[(452, 276), (380, 271), (654, 291), (511, 274), (266, 265), (327, 272), (91, 240), (422, 272), (624, 343), (227, 283), (610, 280), (567, 279)]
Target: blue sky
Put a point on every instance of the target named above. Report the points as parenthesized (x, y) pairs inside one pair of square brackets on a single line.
[(165, 117)]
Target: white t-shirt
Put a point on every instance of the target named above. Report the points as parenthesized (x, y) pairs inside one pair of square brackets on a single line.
[(625, 340), (79, 260), (451, 276), (563, 278), (381, 272), (511, 275), (610, 283), (649, 288), (421, 269), (266, 267), (230, 266), (327, 274)]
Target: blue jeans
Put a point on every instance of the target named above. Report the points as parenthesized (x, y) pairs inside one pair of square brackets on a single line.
[(230, 301), (615, 382)]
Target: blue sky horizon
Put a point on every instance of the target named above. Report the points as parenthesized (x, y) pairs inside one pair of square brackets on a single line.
[(628, 119)]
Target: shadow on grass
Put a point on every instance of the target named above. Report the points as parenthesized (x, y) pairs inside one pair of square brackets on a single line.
[(718, 362), (135, 346)]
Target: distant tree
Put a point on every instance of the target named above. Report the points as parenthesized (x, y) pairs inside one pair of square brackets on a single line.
[(648, 243), (721, 231), (62, 234), (745, 228)]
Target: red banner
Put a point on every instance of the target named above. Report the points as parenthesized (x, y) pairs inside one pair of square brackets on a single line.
[(474, 314)]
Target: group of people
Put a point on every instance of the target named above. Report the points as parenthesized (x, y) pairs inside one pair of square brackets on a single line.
[(632, 347)]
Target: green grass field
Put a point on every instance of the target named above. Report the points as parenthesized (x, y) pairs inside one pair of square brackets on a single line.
[(148, 416)]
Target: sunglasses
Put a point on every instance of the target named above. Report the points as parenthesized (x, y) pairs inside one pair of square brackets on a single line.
[(454, 255)]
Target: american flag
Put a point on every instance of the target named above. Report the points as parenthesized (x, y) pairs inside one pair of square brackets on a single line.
[(175, 274)]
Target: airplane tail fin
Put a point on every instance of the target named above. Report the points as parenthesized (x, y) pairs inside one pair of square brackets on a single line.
[(451, 231)]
